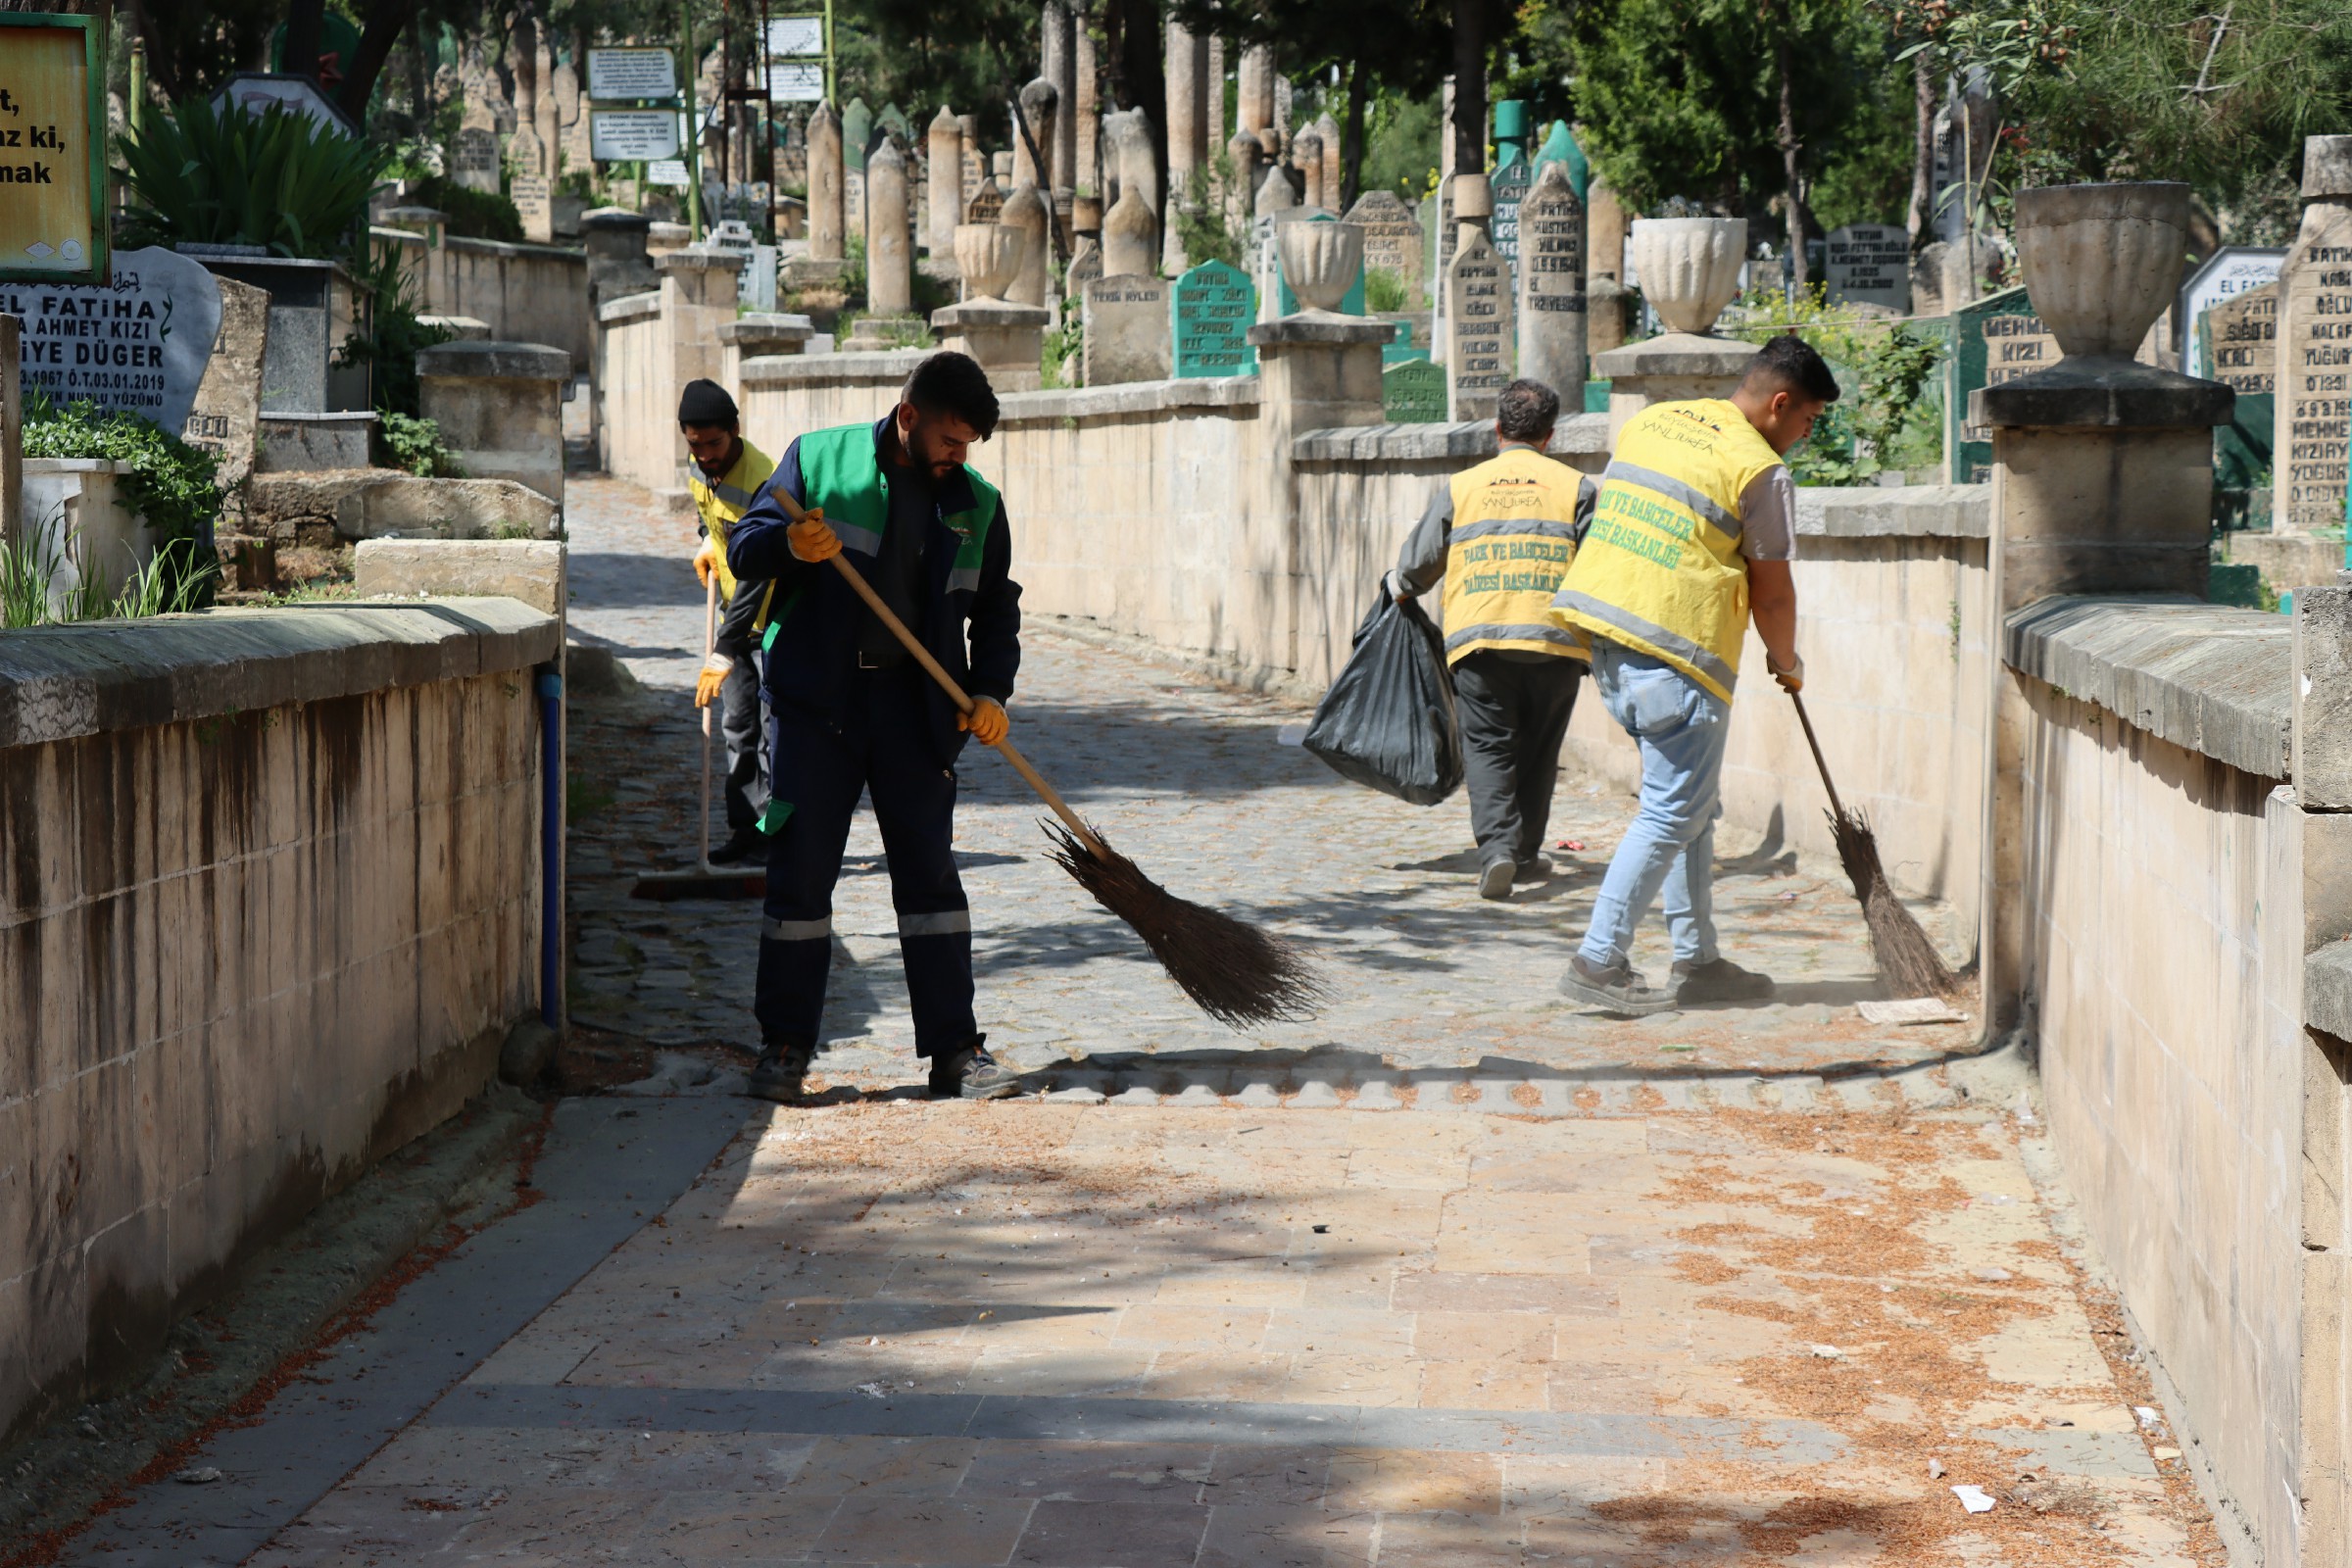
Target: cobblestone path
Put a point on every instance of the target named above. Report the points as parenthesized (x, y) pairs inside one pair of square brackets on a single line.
[(1196, 782), (1449, 1278)]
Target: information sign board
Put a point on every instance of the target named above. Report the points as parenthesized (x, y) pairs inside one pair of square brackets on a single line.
[(53, 223), (632, 135), (617, 73)]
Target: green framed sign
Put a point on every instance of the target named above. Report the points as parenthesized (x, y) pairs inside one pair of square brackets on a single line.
[(1995, 339), (53, 175)]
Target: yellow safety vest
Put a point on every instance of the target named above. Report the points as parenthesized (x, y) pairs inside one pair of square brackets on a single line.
[(1660, 571), (722, 500), (1512, 538)]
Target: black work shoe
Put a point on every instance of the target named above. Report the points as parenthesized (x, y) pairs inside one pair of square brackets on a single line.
[(1495, 879), (1619, 989), (1719, 980), (745, 845), (1535, 868), (973, 1075), (778, 1074)]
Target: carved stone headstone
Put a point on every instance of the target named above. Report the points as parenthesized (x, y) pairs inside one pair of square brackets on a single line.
[(986, 203), (1869, 264), (889, 263), (943, 206), (1127, 331), (1392, 240), (1026, 210), (1551, 286), (1478, 326), (1413, 392), (1306, 156), (1994, 339), (473, 162), (827, 215), (1211, 322), (225, 417), (1130, 236), (2239, 342), (2310, 447), (533, 193), (856, 131), (1086, 267), (853, 200)]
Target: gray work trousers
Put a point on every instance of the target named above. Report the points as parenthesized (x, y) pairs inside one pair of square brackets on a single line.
[(1513, 713), (743, 729)]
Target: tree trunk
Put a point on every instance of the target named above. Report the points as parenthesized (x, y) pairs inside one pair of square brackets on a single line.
[(306, 34), (1798, 273), (386, 20), (1470, 86), (1351, 139), (1922, 216)]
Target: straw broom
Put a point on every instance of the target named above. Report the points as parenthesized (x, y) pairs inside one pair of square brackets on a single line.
[(1237, 974), (1907, 961)]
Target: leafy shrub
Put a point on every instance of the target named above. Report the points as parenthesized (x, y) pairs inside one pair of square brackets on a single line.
[(1890, 416), (391, 344), (229, 176), (471, 213), (164, 479), (414, 445)]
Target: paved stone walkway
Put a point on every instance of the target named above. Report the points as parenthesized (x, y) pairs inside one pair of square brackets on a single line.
[(1451, 1277), (1196, 783)]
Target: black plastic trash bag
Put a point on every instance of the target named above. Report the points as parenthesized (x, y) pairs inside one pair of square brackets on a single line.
[(1387, 720)]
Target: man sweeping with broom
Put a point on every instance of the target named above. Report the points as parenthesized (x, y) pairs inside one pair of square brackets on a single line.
[(1690, 539), (856, 715)]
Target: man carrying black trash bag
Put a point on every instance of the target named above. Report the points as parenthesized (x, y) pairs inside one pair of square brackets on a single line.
[(1503, 534)]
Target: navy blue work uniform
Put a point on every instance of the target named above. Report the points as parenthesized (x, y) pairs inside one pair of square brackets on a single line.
[(856, 715)]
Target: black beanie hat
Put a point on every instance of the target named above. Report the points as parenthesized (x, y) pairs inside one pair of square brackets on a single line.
[(706, 402)]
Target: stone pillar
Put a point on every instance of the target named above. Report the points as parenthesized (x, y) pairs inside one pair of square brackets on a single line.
[(942, 206), (1551, 286), (1242, 151), (1007, 338), (2102, 478), (499, 406), (1185, 70), (1689, 271), (827, 222), (1086, 120), (1130, 234), (889, 266), (1608, 303), (1335, 162), (1059, 54), (763, 336), (1213, 107), (2309, 450), (1038, 103), (618, 261), (1306, 156), (1254, 95)]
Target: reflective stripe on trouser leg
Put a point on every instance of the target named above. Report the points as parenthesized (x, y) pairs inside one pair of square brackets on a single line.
[(820, 773), (915, 806)]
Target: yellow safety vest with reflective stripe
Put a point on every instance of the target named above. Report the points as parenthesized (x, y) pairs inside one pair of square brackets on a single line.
[(1514, 535), (1660, 569), (722, 500)]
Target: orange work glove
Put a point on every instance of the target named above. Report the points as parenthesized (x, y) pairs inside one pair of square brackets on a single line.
[(706, 562), (1791, 680), (812, 540), (715, 669), (988, 722)]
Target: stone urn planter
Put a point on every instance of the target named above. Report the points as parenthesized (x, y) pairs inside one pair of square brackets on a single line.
[(989, 255), (2102, 262), (1320, 260), (1689, 268)]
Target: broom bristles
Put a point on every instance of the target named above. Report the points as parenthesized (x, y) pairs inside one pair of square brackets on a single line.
[(1237, 974), (1907, 959)]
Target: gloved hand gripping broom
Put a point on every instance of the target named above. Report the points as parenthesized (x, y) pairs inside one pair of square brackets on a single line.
[(1239, 974)]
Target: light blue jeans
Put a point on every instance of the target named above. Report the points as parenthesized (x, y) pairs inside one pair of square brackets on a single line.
[(1679, 726)]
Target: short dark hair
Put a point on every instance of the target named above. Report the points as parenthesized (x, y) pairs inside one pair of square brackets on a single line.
[(948, 382), (1527, 411), (1789, 364)]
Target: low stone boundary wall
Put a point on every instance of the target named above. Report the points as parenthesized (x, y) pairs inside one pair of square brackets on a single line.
[(523, 293), (271, 902)]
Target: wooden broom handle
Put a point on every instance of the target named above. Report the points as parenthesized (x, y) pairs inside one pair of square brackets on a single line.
[(947, 683), (1803, 717)]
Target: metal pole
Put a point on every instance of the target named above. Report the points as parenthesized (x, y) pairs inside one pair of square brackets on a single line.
[(694, 128), (832, 86)]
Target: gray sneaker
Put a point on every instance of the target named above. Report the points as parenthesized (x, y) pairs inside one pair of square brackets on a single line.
[(1495, 879), (1535, 868), (1719, 980), (973, 1075), (1619, 989)]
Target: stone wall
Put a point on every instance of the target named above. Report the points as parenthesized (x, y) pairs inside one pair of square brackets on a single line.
[(524, 293), (271, 902), (636, 402)]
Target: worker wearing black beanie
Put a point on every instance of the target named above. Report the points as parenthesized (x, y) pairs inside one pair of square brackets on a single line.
[(724, 479)]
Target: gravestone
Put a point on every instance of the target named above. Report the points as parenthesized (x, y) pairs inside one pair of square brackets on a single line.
[(853, 200), (2229, 273), (1870, 263), (2308, 451), (141, 345), (1551, 283), (1128, 336), (987, 205), (529, 187), (1211, 311), (857, 131), (1510, 187), (1086, 266), (1393, 241), (1413, 392), (2237, 342), (1995, 339), (473, 162), (224, 417), (1478, 326), (975, 175)]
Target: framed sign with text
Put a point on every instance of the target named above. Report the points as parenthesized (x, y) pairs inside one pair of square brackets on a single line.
[(53, 222)]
